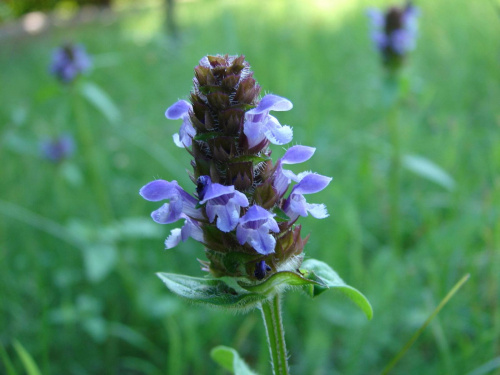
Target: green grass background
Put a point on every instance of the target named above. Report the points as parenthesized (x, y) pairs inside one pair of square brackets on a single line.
[(318, 54)]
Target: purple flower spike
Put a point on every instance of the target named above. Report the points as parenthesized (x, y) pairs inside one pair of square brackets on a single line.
[(240, 191), (180, 110), (222, 201), (394, 32), (254, 228), (180, 201), (69, 61), (57, 149), (190, 229), (296, 204), (259, 124)]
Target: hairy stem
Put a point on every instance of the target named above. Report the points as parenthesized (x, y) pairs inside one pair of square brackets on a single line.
[(271, 313)]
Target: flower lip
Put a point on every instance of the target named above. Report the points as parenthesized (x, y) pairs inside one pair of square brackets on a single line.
[(311, 183), (178, 110), (272, 102), (297, 154), (255, 213)]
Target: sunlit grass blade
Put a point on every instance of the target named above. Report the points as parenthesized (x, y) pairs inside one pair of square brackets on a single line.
[(486, 368), (417, 334), (9, 367), (28, 362)]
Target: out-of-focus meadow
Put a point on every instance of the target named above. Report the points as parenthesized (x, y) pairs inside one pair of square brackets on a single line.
[(78, 251)]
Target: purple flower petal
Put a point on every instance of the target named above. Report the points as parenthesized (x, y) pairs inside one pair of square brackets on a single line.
[(255, 213), (297, 154), (254, 228), (174, 238), (221, 201), (311, 183), (216, 190), (159, 190), (317, 211), (227, 216), (190, 229), (168, 212), (178, 110), (276, 133), (272, 102)]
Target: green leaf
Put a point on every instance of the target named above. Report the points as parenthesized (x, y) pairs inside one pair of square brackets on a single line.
[(230, 360), (214, 292), (280, 214), (101, 101), (27, 360), (284, 278), (427, 169), (327, 278)]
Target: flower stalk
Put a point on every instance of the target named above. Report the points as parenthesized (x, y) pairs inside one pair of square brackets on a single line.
[(271, 313)]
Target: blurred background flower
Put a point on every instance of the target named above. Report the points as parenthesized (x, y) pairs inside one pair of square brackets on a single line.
[(57, 149)]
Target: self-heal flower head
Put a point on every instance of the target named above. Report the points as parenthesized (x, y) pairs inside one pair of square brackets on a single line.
[(57, 149), (180, 110), (394, 32), (254, 228), (69, 61), (239, 193), (222, 201)]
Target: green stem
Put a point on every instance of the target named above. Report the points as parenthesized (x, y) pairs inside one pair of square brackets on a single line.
[(271, 313), (394, 178), (91, 157)]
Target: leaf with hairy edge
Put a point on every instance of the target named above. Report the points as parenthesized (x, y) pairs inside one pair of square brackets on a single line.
[(284, 278), (230, 360), (327, 278), (213, 292)]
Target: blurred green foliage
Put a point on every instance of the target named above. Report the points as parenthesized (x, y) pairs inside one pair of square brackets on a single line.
[(79, 291)]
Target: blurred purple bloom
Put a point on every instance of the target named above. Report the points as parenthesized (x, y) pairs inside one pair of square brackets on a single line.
[(254, 228), (296, 204), (394, 32), (180, 201), (180, 110), (69, 61), (259, 124), (57, 149), (222, 201)]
